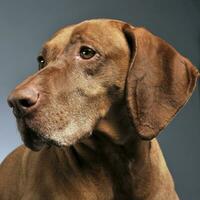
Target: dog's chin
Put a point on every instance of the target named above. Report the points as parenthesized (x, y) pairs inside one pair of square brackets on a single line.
[(32, 140), (36, 139)]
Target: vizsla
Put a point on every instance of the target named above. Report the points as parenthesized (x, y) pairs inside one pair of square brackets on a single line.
[(90, 115)]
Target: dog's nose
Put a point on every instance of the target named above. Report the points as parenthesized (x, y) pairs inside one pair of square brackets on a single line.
[(23, 99)]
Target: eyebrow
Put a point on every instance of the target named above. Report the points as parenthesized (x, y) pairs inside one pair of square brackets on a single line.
[(44, 51), (74, 38)]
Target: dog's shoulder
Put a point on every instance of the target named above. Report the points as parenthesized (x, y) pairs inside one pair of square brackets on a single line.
[(13, 158), (11, 171)]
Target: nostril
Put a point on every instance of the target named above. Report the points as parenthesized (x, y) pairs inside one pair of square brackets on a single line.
[(23, 99), (28, 99), (26, 102)]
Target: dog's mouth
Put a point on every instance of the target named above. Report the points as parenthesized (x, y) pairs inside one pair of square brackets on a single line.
[(33, 140), (36, 141), (53, 128), (32, 134)]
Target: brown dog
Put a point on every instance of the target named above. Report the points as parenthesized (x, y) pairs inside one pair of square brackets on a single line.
[(104, 90)]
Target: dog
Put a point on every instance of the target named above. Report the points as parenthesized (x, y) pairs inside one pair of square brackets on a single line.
[(89, 116)]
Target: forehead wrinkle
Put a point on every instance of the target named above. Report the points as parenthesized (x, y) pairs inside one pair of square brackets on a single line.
[(86, 35), (79, 35), (106, 35)]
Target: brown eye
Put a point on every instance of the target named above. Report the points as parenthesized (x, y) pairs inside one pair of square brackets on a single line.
[(87, 52), (41, 61)]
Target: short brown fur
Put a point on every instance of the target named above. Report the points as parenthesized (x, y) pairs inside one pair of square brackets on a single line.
[(96, 119)]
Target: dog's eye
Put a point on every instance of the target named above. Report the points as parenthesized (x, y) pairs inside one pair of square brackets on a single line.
[(41, 61), (87, 52)]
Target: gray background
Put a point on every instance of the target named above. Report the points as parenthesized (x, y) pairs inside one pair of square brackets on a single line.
[(26, 24)]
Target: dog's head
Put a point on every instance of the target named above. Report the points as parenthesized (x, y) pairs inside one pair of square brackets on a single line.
[(86, 68)]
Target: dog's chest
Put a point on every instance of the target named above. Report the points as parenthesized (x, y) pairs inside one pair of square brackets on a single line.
[(96, 186), (68, 181)]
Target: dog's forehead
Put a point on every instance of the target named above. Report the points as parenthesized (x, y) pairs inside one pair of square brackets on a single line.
[(61, 37), (102, 32)]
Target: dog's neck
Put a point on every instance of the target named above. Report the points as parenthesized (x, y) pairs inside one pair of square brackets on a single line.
[(116, 125), (115, 149), (113, 135)]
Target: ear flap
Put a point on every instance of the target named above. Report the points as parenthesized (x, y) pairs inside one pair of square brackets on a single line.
[(159, 82)]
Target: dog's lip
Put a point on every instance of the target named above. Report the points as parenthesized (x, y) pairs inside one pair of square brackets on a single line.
[(33, 140)]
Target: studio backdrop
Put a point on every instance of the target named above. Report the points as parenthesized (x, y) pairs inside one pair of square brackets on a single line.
[(26, 24)]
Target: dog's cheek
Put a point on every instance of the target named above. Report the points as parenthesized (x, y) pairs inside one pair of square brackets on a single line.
[(81, 124), (104, 106), (114, 93)]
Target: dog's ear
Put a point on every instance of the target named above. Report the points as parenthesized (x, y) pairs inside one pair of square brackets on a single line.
[(159, 81)]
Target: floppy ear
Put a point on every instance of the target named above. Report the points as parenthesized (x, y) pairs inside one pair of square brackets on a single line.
[(159, 82)]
